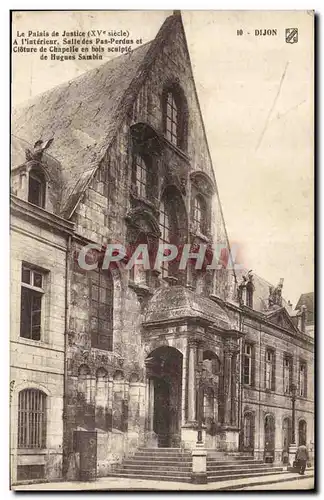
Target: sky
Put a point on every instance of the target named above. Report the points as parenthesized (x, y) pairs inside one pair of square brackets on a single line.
[(256, 97)]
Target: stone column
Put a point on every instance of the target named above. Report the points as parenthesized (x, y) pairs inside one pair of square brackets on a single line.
[(150, 404), (227, 386), (192, 360), (234, 388)]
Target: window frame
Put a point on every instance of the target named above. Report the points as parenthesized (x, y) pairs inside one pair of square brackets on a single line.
[(175, 125), (165, 230), (34, 291), (270, 370), (287, 358), (102, 308), (140, 175), (31, 416), (38, 177), (199, 207), (171, 118), (250, 357), (302, 388)]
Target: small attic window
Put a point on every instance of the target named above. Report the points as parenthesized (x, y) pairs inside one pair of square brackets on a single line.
[(36, 188)]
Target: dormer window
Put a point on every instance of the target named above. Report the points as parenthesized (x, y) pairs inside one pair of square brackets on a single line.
[(36, 188)]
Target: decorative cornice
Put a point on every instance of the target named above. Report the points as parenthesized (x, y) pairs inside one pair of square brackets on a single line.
[(26, 210)]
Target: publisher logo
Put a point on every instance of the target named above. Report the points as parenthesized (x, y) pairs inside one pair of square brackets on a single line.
[(291, 35)]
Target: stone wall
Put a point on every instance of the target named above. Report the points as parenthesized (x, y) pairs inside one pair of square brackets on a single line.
[(38, 364)]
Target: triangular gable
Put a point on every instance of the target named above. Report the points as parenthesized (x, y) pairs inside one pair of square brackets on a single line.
[(280, 317)]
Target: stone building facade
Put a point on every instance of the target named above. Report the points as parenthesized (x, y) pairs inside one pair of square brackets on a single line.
[(142, 355)]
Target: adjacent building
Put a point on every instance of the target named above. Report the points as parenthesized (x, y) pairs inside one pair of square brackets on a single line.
[(107, 361)]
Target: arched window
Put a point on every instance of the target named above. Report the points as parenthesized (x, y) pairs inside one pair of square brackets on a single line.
[(140, 176), (31, 419), (36, 187), (102, 302)]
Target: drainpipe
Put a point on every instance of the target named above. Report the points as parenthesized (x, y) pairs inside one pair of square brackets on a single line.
[(66, 327)]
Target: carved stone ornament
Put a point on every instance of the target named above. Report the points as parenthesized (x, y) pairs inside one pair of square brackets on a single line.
[(275, 294), (37, 152)]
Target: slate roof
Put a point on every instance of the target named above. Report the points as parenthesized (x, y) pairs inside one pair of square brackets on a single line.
[(179, 302), (82, 115)]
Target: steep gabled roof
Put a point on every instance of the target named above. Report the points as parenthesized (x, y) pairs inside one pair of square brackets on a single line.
[(84, 114)]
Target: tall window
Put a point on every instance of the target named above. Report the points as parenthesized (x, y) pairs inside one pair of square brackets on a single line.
[(36, 188), (165, 234), (247, 364), (302, 379), (31, 303), (249, 295), (101, 310), (199, 213), (269, 369), (32, 419), (140, 176), (287, 374), (171, 125)]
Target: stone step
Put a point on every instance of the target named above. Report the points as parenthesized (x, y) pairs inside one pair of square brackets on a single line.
[(187, 469), (233, 462), (157, 476), (156, 470), (156, 456), (153, 477), (178, 450), (235, 467), (231, 477), (160, 463), (226, 472)]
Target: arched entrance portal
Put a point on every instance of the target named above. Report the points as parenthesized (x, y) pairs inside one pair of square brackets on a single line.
[(164, 375)]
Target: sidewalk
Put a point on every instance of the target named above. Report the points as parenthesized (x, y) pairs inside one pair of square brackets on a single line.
[(115, 483)]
